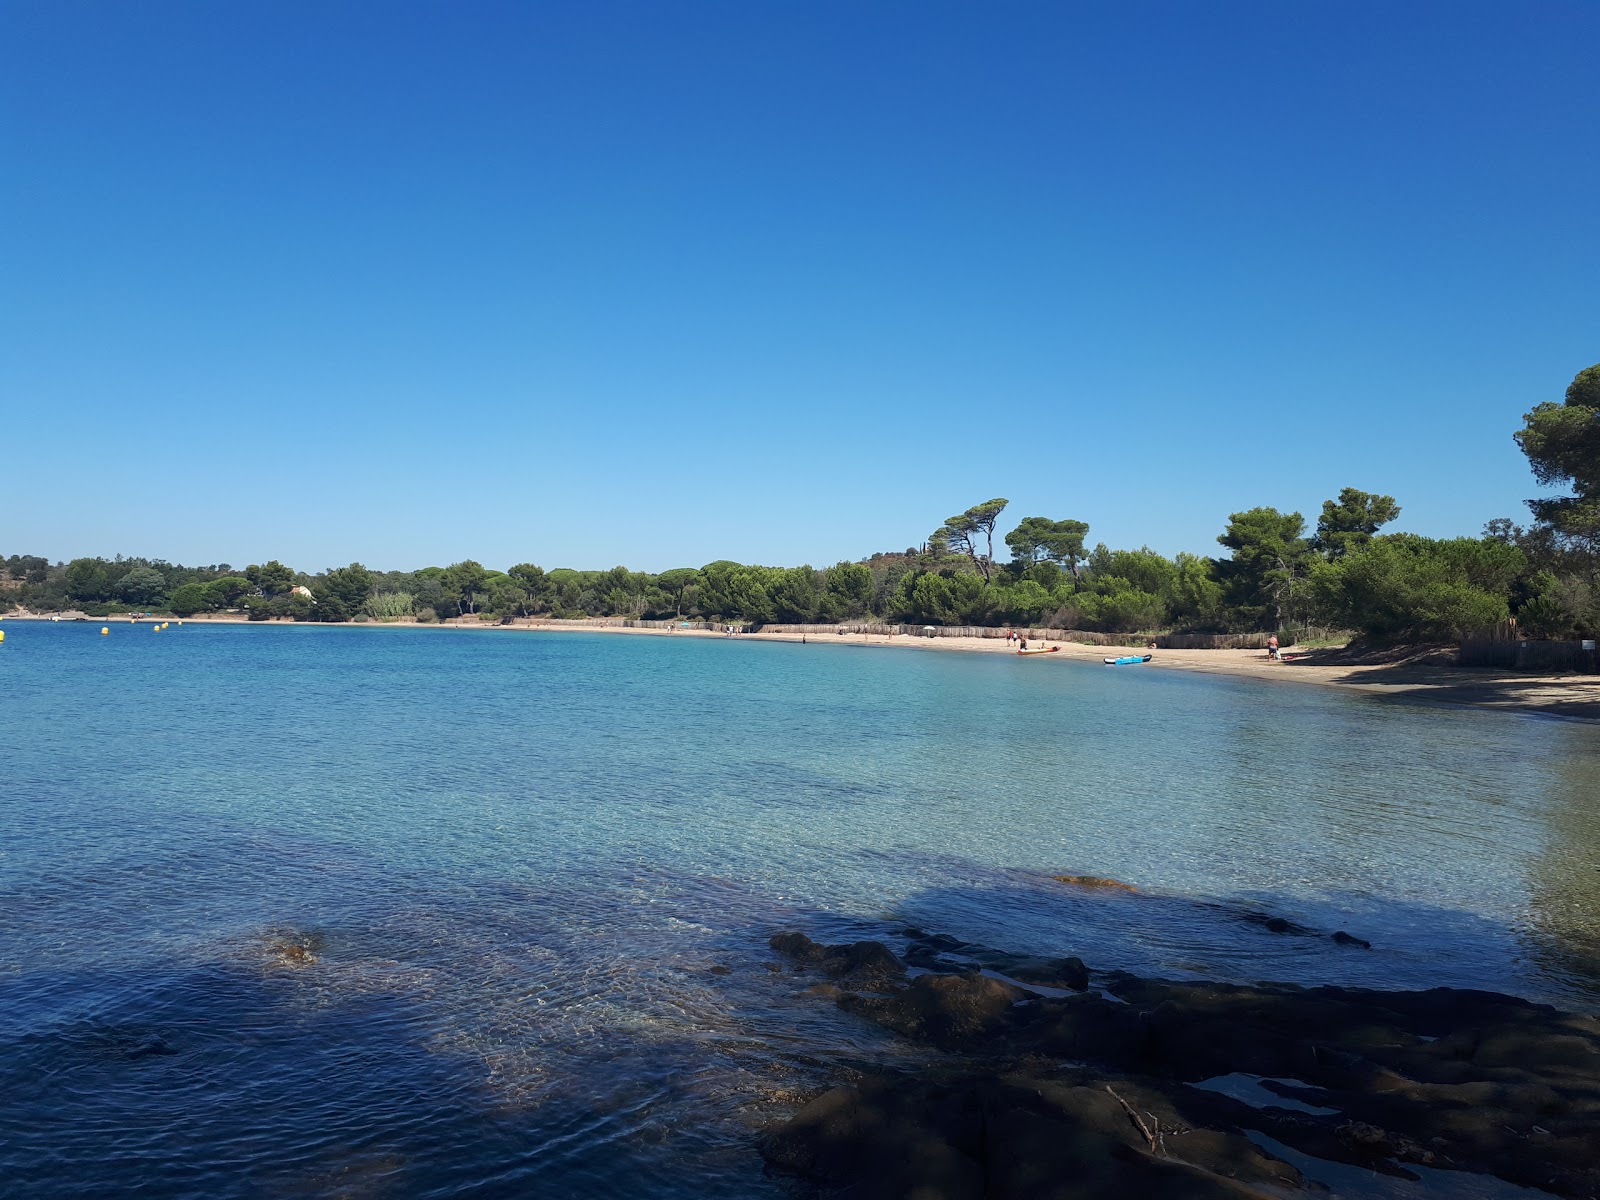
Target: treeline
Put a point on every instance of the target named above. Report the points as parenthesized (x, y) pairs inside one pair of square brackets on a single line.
[(1277, 572)]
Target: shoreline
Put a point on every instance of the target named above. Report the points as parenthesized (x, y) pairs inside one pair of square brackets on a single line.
[(1570, 697)]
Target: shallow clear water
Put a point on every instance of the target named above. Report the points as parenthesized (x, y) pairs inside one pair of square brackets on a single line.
[(538, 872)]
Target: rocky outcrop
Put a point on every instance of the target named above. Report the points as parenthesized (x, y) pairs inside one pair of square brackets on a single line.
[(1014, 1135), (861, 963), (951, 1011), (938, 952), (1093, 1093)]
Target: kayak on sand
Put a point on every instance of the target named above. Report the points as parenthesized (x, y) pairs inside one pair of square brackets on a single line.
[(1129, 660), (1041, 650)]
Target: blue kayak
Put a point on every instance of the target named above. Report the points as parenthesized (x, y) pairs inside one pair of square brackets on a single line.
[(1132, 658)]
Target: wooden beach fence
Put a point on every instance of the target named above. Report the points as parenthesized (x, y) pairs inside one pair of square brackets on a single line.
[(1088, 637), (1529, 654)]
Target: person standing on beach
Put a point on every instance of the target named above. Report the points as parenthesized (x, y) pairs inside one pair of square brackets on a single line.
[(1272, 648)]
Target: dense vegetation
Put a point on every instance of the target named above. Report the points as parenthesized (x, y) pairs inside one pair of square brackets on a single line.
[(1276, 573)]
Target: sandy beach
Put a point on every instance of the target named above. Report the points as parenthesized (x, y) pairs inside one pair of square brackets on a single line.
[(1429, 677), (1435, 681)]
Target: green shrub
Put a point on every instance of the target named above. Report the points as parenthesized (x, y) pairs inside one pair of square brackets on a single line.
[(387, 606), (191, 598), (1402, 587)]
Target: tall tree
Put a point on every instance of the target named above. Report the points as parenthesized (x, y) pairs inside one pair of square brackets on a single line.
[(534, 587), (1562, 442), (1349, 522), (142, 585), (273, 579), (847, 590), (464, 583), (962, 533), (189, 599), (342, 592), (1060, 542), (675, 582), (1268, 561), (88, 580), (225, 591)]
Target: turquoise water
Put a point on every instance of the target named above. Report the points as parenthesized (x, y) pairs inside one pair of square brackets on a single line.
[(538, 872)]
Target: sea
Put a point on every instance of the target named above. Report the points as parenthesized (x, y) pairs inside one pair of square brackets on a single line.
[(304, 911)]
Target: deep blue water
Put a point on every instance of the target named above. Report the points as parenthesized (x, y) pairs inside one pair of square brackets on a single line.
[(538, 873)]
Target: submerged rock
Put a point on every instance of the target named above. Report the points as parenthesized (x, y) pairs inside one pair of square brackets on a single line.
[(935, 952), (1061, 974), (294, 949), (865, 963), (1273, 924), (1095, 881), (153, 1045)]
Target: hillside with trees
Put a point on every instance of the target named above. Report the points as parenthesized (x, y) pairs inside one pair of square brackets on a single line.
[(1273, 571)]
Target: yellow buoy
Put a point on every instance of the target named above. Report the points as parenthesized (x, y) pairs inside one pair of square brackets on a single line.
[(104, 630), (180, 624), (2, 636)]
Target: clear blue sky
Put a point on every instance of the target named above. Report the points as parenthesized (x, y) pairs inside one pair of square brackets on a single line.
[(661, 283)]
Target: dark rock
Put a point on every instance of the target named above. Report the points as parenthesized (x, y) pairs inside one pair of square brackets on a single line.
[(1271, 923), (1349, 939), (1541, 1050), (867, 963), (885, 1140), (926, 958), (1469, 1081), (947, 1010), (1074, 974), (936, 952), (1089, 1028), (797, 946), (1017, 1136), (1060, 974), (1063, 974)]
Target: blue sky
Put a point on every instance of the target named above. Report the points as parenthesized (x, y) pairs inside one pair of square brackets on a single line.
[(656, 284)]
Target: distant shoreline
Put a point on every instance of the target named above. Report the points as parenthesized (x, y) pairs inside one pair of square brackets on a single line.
[(1573, 697)]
